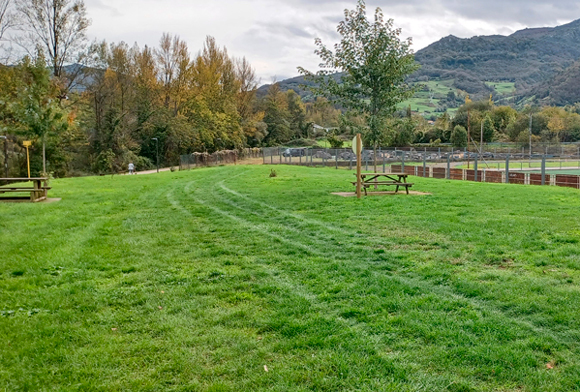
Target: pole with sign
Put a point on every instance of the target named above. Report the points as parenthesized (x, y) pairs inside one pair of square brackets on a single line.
[(27, 144), (357, 149)]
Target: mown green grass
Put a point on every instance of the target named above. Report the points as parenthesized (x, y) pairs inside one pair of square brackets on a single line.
[(194, 281)]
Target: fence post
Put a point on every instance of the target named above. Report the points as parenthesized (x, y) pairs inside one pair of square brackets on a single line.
[(425, 162), (475, 167), (350, 163), (367, 163), (384, 164), (543, 170), (448, 174), (403, 161), (507, 169), (336, 158)]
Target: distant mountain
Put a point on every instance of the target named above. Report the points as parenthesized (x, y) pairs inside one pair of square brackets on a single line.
[(527, 58), (532, 59)]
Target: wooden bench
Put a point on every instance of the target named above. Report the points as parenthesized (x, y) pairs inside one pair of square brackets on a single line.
[(38, 192)]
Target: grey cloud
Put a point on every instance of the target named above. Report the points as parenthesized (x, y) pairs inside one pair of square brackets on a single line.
[(278, 35), (99, 4), (527, 12)]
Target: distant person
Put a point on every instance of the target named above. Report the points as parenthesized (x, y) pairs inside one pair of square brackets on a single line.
[(131, 168)]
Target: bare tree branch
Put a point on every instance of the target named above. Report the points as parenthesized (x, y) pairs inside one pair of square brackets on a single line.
[(7, 17), (57, 28)]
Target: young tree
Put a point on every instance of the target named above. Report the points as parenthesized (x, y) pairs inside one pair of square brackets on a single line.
[(375, 63), (36, 105)]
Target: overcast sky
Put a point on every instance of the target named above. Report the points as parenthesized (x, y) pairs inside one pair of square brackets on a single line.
[(278, 35)]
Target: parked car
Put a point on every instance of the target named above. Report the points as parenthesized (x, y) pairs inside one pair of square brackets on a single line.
[(294, 152), (322, 155), (347, 156)]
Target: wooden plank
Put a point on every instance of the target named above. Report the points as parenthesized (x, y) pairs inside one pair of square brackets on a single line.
[(385, 183), (386, 174), (24, 179)]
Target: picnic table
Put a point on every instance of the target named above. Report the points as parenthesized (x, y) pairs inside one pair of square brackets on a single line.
[(386, 179), (38, 191)]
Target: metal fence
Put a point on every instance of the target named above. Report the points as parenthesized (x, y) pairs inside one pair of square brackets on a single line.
[(499, 165), (218, 158)]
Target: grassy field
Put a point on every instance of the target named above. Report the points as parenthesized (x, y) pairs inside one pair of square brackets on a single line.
[(503, 88), (425, 102), (224, 279)]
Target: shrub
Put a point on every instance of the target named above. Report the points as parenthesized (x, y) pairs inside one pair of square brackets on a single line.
[(459, 136)]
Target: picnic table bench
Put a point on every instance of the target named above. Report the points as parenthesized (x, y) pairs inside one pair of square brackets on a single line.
[(387, 179), (38, 191)]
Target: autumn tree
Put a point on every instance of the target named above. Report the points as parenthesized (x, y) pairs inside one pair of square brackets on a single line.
[(375, 63), (213, 107), (297, 115), (251, 117), (174, 71), (277, 116)]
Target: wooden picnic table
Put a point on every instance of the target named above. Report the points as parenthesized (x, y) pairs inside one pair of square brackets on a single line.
[(386, 179), (38, 191)]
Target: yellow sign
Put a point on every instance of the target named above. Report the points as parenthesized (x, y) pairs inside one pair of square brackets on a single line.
[(27, 143)]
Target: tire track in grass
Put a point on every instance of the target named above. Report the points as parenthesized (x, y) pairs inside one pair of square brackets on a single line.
[(482, 305), (302, 220), (280, 277)]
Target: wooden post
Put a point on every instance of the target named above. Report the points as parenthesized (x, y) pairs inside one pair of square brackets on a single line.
[(358, 166), (27, 144), (44, 154)]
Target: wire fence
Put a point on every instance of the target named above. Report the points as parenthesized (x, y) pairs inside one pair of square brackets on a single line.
[(218, 158), (558, 166)]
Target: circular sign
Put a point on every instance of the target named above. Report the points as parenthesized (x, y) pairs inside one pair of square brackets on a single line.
[(354, 142)]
